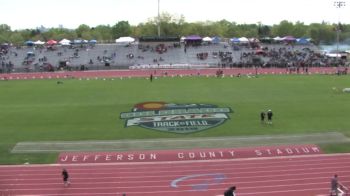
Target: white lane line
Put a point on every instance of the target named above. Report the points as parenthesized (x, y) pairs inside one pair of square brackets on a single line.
[(168, 172)]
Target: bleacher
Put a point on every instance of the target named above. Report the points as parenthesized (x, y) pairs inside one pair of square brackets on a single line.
[(124, 56)]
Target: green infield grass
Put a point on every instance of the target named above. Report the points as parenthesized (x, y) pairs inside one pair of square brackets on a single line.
[(78, 110)]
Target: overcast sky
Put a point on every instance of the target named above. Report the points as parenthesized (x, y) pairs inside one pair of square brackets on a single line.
[(21, 14)]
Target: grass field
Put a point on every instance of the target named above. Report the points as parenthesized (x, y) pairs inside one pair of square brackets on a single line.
[(42, 110)]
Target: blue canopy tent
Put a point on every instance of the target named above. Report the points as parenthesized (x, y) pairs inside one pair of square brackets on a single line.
[(93, 41), (235, 40), (216, 40), (303, 41), (77, 41), (29, 43)]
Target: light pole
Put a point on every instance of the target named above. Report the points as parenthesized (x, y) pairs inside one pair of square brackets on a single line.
[(338, 5), (158, 19)]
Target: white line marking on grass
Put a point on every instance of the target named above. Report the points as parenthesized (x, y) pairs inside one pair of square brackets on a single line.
[(175, 144), (186, 140)]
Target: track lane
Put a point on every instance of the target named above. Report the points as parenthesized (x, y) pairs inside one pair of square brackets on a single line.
[(302, 176)]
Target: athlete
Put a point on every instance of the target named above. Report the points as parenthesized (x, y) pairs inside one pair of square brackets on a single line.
[(65, 176)]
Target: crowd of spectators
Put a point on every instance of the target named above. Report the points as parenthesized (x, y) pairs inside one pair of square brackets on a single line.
[(222, 55), (202, 55), (288, 57)]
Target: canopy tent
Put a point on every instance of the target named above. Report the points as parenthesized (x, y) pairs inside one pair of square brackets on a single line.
[(216, 40), (163, 39), (51, 42), (193, 38), (125, 40), (39, 42), (207, 39), (77, 41), (303, 40), (266, 40), (29, 43), (234, 40), (289, 39), (254, 40), (278, 39), (243, 40), (65, 42), (182, 39)]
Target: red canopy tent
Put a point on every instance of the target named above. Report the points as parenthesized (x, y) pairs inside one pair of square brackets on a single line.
[(51, 42)]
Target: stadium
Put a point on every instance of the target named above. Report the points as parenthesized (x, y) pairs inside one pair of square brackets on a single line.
[(180, 115)]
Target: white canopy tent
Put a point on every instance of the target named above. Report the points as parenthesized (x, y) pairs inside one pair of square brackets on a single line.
[(65, 42), (243, 40), (254, 40), (278, 38), (124, 40), (182, 39), (39, 42), (207, 39)]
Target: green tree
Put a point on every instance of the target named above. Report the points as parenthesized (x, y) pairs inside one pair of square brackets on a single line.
[(299, 30), (83, 29), (102, 33), (247, 30), (225, 28), (5, 28), (283, 29), (16, 38), (147, 29), (121, 29), (3, 39), (264, 30), (322, 33), (171, 25), (5, 33)]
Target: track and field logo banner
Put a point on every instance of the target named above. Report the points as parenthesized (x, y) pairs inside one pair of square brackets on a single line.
[(176, 118)]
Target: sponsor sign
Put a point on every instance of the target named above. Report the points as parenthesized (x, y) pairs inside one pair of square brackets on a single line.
[(176, 118)]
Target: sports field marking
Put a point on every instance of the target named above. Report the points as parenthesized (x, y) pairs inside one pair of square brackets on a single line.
[(156, 193), (179, 162), (280, 177), (158, 144)]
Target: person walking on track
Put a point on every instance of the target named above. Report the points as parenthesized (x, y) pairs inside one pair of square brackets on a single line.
[(65, 176)]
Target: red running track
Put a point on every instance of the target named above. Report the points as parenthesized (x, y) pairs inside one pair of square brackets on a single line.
[(307, 175), (158, 72)]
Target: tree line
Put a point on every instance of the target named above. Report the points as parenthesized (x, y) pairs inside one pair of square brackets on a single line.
[(177, 26)]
